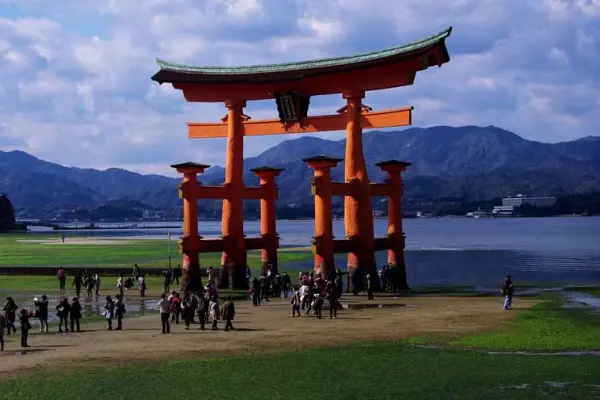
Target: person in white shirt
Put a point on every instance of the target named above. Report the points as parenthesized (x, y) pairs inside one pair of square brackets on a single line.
[(164, 306)]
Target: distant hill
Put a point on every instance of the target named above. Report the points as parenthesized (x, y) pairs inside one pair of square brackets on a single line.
[(469, 162)]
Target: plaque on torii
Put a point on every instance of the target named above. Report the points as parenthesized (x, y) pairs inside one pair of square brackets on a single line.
[(292, 85)]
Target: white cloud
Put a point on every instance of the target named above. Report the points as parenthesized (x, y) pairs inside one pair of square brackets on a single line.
[(76, 83)]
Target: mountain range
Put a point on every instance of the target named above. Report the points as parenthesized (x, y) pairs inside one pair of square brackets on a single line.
[(469, 162)]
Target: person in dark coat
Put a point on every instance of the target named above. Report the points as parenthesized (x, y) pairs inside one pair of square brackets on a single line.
[(25, 326), (75, 314), (42, 313), (228, 313), (167, 274), (264, 285), (10, 315), (202, 311), (176, 275), (109, 311), (370, 286), (89, 284), (63, 310), (119, 311), (187, 310), (286, 284), (256, 291), (77, 282), (318, 305), (331, 292)]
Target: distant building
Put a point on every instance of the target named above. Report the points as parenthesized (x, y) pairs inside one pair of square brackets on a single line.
[(520, 200), (503, 211)]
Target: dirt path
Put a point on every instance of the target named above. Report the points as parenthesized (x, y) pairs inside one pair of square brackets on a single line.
[(258, 330)]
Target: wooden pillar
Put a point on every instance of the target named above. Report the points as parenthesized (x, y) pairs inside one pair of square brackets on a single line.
[(358, 214), (190, 242), (323, 240), (233, 259), (268, 218), (395, 232)]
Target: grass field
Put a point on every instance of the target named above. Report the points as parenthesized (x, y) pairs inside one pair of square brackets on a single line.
[(44, 250), (545, 326), (389, 369), (365, 371)]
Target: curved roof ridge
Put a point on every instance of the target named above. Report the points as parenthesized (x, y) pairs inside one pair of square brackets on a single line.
[(291, 66)]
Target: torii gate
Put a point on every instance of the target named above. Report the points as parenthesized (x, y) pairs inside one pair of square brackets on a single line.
[(292, 85)]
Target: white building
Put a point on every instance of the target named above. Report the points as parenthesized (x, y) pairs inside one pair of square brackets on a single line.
[(520, 200)]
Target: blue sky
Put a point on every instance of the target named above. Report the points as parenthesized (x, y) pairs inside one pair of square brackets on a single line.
[(75, 82)]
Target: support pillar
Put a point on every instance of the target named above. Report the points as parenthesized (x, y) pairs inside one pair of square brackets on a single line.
[(234, 257), (190, 242), (358, 213), (268, 218), (395, 232), (323, 240)]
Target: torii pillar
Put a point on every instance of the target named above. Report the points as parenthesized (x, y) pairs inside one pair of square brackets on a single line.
[(191, 280), (268, 218), (234, 257), (323, 248), (395, 232), (358, 213)]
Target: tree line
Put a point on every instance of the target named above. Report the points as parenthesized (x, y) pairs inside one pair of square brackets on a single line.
[(7, 214)]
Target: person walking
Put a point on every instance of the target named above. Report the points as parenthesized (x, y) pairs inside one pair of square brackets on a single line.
[(165, 310), (97, 281), (331, 293), (228, 313), (77, 282), (119, 311), (25, 326), (508, 289), (10, 315), (75, 314), (61, 275), (120, 284), (109, 310), (213, 310), (42, 314), (167, 274), (296, 302)]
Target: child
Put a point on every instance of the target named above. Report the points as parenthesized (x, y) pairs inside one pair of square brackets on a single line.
[(2, 326), (296, 302)]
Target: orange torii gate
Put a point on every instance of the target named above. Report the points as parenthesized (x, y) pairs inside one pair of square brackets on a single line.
[(292, 85)]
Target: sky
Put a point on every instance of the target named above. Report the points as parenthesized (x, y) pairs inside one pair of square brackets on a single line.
[(75, 82)]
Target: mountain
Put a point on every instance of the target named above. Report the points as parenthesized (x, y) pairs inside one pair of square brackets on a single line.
[(468, 162)]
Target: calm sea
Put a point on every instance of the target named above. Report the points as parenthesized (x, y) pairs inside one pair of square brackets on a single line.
[(454, 251)]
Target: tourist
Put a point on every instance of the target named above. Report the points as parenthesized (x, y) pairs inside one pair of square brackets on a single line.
[(142, 285), (194, 306), (41, 312), (318, 305), (75, 314), (97, 281), (296, 301), (508, 289), (203, 304), (167, 273), (63, 308), (331, 293), (370, 286), (25, 326), (89, 284), (120, 284), (164, 309), (228, 313), (136, 271), (175, 308), (339, 283), (62, 238), (10, 314), (286, 283), (77, 282), (383, 278), (176, 275), (248, 274), (186, 309), (264, 287), (213, 310), (256, 291), (61, 275), (109, 310), (119, 311), (2, 327), (277, 286)]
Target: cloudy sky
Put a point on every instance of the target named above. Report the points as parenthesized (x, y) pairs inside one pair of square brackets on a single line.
[(75, 82)]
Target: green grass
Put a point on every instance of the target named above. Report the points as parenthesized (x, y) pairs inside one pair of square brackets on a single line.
[(546, 326), (124, 253), (366, 371)]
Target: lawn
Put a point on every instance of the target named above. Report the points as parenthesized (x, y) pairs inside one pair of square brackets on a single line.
[(546, 326), (364, 371), (45, 250)]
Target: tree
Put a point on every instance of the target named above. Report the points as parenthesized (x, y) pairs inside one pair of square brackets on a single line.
[(7, 214)]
